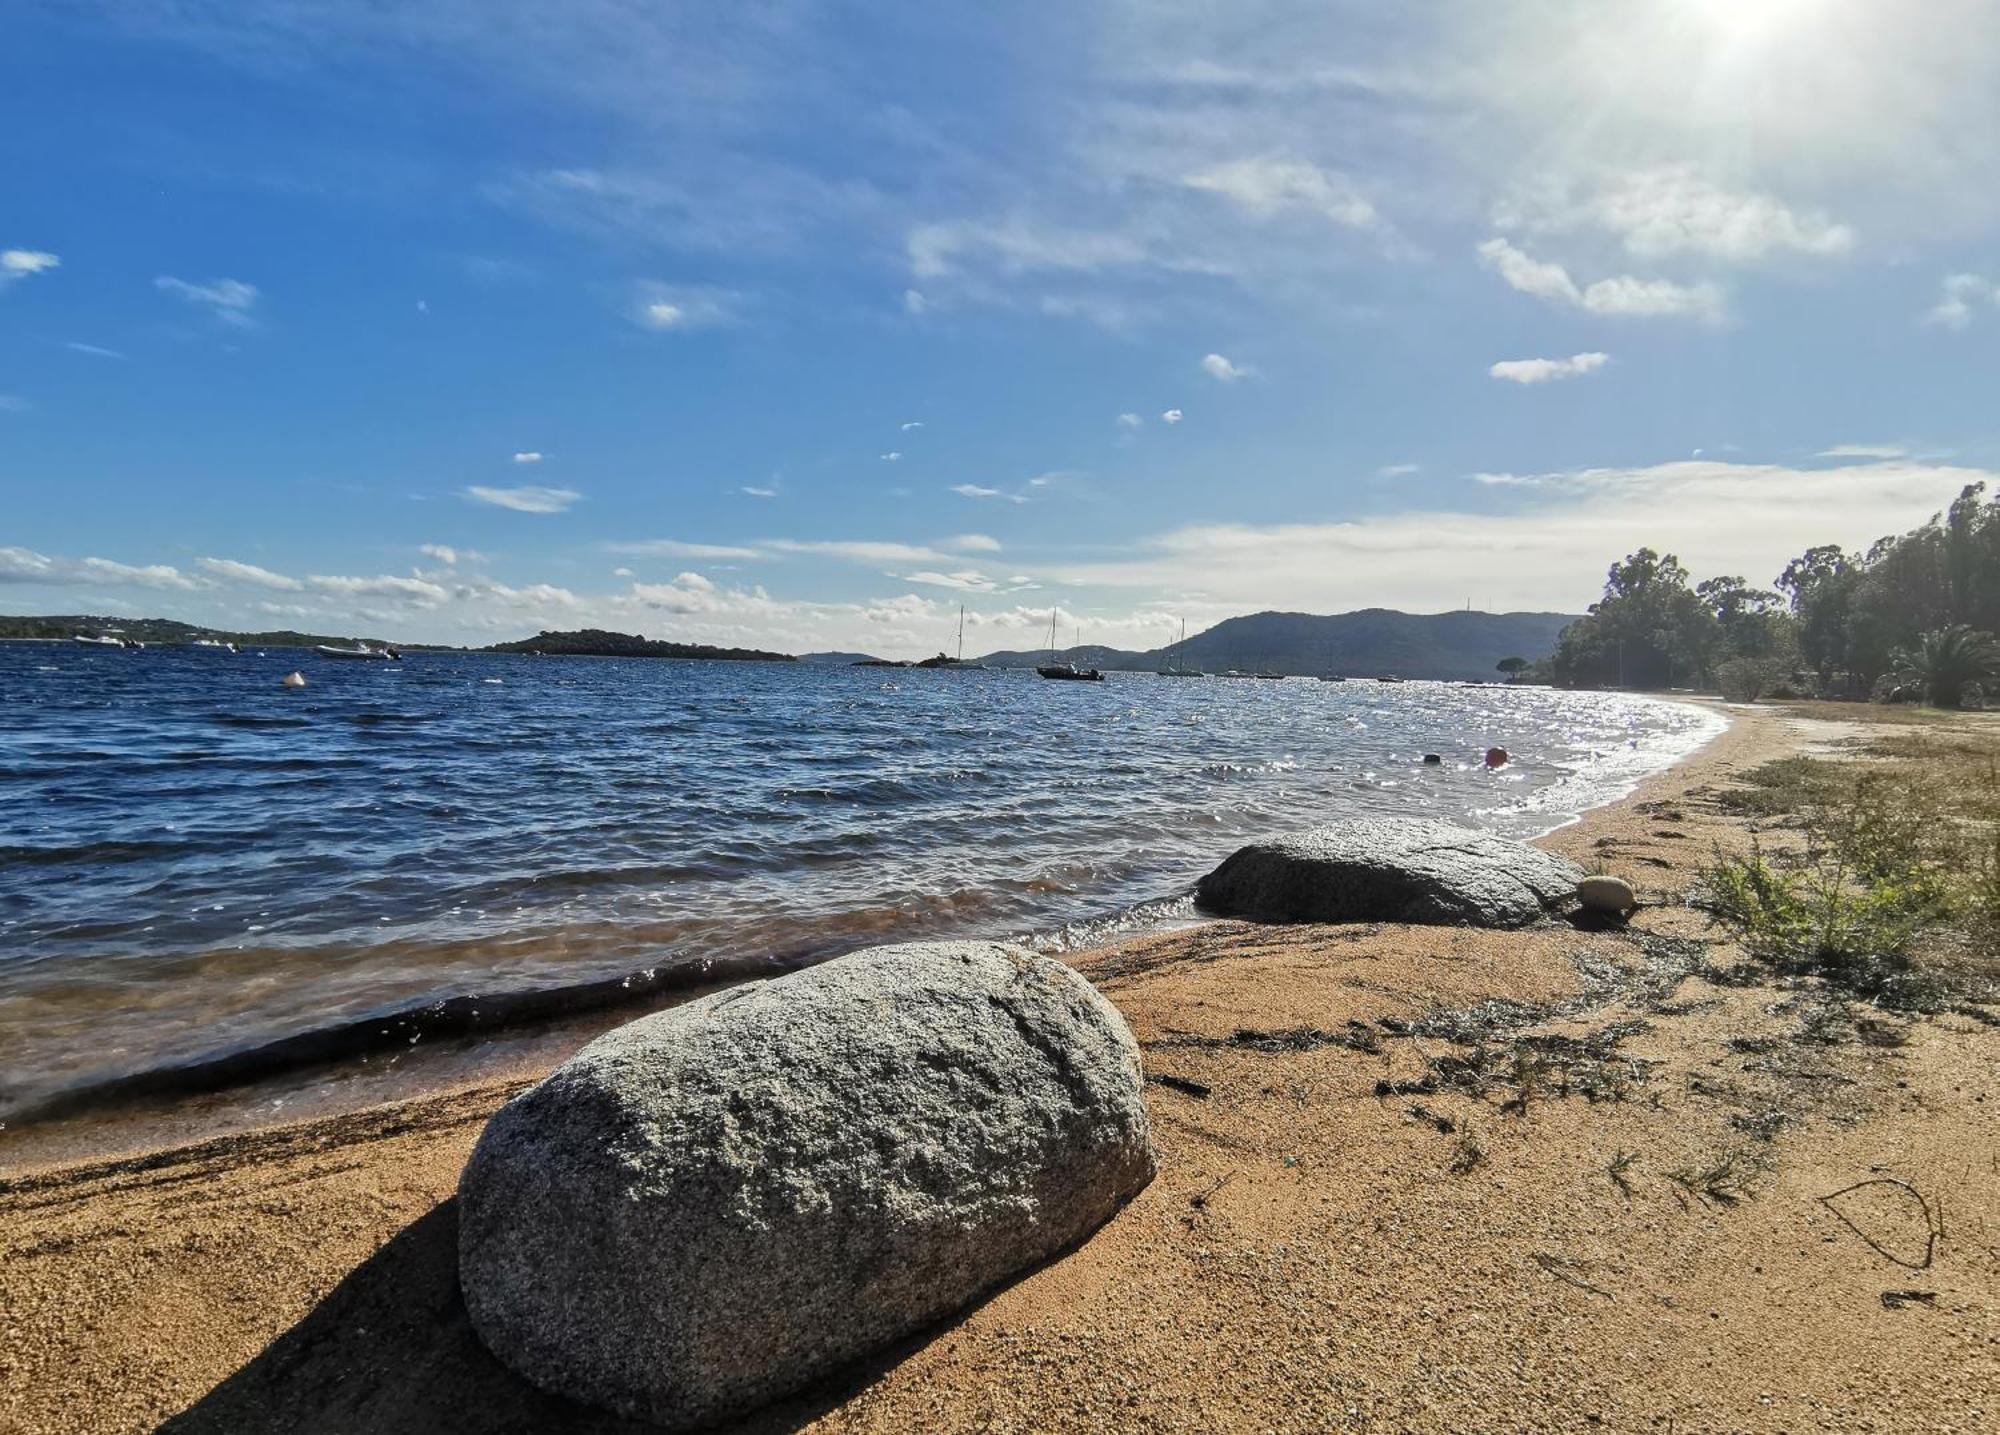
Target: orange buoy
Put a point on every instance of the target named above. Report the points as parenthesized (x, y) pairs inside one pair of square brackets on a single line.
[(1496, 757)]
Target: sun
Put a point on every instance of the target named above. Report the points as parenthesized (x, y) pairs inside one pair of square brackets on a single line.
[(1737, 25)]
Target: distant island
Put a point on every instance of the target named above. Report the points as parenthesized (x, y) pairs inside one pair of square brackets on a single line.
[(1373, 642), (598, 643), (167, 632)]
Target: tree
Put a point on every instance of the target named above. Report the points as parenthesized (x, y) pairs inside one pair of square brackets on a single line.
[(1946, 661), (1649, 630), (1513, 668)]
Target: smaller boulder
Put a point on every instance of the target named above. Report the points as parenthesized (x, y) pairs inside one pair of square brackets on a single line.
[(1391, 869), (1610, 896)]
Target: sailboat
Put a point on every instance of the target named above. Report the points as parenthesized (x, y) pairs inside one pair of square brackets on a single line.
[(1065, 672), (941, 661), (1179, 669)]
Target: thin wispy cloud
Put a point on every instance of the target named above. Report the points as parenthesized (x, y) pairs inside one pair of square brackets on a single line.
[(1130, 421), (753, 490), (230, 301), (1622, 296), (1673, 210), (528, 456), (1542, 371), (527, 498), (230, 570), (1963, 297), (96, 351), (1222, 370), (675, 548), (681, 308)]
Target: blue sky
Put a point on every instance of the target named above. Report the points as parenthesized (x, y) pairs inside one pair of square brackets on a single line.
[(800, 324)]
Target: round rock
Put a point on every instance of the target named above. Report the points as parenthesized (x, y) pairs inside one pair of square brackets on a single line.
[(712, 1207), (1388, 869), (1612, 896)]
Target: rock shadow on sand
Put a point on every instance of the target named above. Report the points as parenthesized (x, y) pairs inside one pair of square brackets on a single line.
[(391, 1351)]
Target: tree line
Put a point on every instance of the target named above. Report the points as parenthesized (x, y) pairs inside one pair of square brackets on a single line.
[(1911, 618)]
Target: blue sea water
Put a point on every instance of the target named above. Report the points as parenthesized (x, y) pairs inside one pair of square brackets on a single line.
[(195, 860)]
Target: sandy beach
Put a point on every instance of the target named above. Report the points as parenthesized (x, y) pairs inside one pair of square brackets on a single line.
[(1410, 1179)]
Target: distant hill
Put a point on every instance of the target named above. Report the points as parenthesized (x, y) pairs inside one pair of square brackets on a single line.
[(1373, 642), (168, 631), (597, 643), (838, 660)]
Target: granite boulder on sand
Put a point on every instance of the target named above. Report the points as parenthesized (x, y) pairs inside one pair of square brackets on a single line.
[(712, 1207), (1391, 869)]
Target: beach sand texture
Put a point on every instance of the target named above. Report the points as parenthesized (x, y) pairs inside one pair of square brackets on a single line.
[(1354, 1226)]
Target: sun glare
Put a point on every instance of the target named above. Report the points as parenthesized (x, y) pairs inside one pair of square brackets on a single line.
[(1750, 24)]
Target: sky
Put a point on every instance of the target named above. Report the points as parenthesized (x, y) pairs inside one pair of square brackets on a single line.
[(799, 325)]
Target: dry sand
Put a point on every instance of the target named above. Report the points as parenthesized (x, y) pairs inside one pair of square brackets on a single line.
[(1318, 1252)]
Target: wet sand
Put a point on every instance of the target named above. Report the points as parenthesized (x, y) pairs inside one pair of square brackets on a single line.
[(1374, 1211)]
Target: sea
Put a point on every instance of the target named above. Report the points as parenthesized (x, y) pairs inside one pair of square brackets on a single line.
[(205, 875)]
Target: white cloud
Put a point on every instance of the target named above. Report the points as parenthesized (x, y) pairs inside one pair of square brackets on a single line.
[(975, 490), (678, 308), (24, 565), (1963, 294), (419, 592), (1546, 548), (528, 456), (913, 424), (892, 457), (229, 300), (1621, 296), (751, 490), (1664, 211), (1398, 470), (914, 301), (94, 350), (1220, 369), (970, 543), (1864, 450), (674, 548), (443, 552), (965, 581), (17, 264), (1017, 246), (235, 572), (1268, 186), (621, 572), (1130, 421), (1171, 416), (1541, 371), (856, 551), (528, 498)]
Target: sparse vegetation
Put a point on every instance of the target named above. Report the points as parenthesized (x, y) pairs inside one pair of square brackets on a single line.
[(1902, 846), (1727, 1180), (1620, 1169)]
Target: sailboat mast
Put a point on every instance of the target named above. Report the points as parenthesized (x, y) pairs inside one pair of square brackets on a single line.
[(961, 632)]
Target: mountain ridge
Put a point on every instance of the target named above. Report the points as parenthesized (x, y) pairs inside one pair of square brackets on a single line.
[(1364, 643)]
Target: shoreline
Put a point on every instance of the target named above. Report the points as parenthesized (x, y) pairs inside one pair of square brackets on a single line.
[(1410, 1179), (462, 1040)]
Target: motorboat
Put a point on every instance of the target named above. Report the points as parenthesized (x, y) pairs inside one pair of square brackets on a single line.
[(101, 640), (213, 643), (359, 650)]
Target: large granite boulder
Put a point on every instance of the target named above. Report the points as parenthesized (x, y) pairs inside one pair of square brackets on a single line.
[(711, 1207), (1391, 869)]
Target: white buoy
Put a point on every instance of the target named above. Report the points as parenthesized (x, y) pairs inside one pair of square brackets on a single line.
[(294, 680)]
